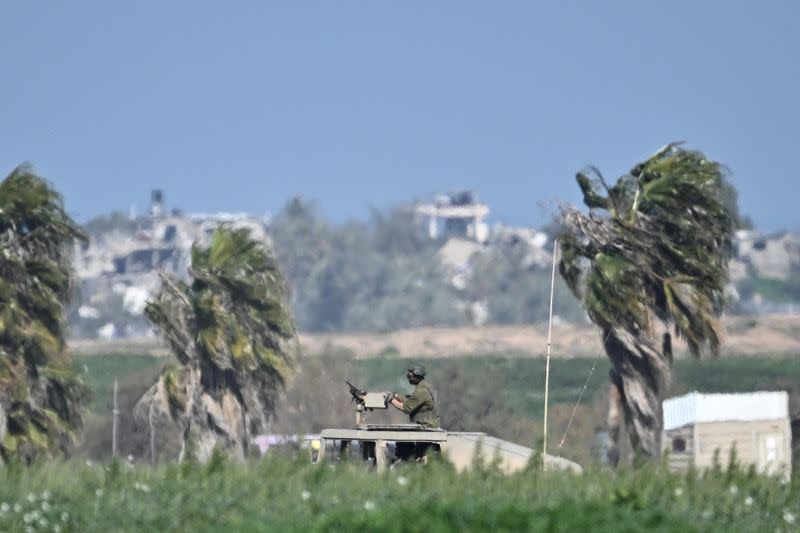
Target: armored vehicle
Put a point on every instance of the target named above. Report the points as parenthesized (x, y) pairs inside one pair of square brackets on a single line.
[(384, 446)]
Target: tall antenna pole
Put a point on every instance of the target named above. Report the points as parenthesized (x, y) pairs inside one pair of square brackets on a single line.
[(549, 336), (115, 414)]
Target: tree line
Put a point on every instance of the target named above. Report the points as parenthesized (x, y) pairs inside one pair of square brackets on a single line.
[(386, 274)]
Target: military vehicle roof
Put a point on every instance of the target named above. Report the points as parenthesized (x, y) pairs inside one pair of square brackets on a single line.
[(415, 434)]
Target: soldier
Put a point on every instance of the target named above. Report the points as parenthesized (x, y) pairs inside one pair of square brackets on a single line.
[(421, 406)]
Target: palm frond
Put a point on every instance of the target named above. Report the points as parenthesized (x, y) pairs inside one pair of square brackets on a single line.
[(663, 250), (233, 318), (36, 380)]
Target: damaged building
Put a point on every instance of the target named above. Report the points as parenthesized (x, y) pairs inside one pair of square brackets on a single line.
[(118, 269)]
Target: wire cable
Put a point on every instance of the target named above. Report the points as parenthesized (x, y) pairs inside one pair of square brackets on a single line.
[(585, 386)]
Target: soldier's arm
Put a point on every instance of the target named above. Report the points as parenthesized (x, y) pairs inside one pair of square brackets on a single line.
[(412, 402), (397, 400)]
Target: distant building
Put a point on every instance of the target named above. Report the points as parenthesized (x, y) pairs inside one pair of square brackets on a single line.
[(457, 214), (456, 254), (156, 203), (697, 426), (128, 259), (769, 256)]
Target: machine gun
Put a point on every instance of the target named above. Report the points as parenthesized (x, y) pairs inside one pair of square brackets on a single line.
[(357, 394), (367, 401)]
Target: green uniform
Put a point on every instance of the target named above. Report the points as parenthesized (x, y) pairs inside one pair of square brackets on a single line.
[(422, 406)]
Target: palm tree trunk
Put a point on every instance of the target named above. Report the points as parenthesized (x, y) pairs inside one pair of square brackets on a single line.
[(639, 375), (614, 422), (3, 422)]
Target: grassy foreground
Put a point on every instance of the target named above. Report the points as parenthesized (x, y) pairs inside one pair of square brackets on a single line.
[(280, 494)]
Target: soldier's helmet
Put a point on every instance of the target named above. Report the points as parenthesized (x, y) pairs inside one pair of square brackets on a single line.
[(416, 370)]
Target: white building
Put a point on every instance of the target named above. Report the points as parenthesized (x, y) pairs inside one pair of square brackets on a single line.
[(699, 426), (460, 213)]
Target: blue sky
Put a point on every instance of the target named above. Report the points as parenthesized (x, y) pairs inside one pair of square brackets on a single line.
[(238, 106)]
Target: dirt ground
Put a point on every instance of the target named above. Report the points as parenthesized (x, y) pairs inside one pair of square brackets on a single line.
[(773, 334)]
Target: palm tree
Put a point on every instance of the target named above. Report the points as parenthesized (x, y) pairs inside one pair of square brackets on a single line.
[(39, 393), (235, 342), (651, 254)]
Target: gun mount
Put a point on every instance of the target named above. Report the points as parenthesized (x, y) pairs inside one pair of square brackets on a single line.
[(367, 401)]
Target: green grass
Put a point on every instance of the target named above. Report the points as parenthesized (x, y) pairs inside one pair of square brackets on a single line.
[(281, 494), (774, 290), (523, 378), (734, 374), (513, 385), (100, 371)]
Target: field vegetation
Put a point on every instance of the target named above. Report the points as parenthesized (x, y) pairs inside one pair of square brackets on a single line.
[(283, 493), (503, 396)]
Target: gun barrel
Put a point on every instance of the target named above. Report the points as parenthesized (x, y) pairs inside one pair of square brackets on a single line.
[(355, 391)]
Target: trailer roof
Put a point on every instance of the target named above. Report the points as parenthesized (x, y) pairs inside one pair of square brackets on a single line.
[(697, 407)]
